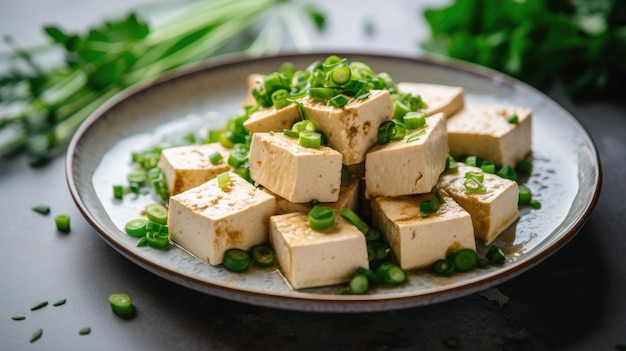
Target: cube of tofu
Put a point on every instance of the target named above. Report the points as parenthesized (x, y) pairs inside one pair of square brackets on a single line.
[(492, 211), (348, 198), (353, 129), (185, 167), (294, 172), (417, 242), (405, 168), (270, 119), (439, 98), (483, 130), (308, 258), (209, 219)]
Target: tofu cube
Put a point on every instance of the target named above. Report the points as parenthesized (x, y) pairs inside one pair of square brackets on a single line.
[(483, 130), (209, 219), (348, 198), (294, 172), (308, 258), (492, 211), (185, 167), (405, 168), (418, 242), (353, 129), (270, 119), (439, 98)]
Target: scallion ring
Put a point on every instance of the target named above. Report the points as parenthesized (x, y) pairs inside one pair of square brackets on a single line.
[(321, 218)]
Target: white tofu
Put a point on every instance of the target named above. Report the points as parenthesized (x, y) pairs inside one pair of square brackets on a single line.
[(294, 172), (405, 168), (353, 129), (492, 211), (348, 198), (483, 130), (439, 98), (207, 220), (417, 242), (308, 258), (270, 119), (185, 167)]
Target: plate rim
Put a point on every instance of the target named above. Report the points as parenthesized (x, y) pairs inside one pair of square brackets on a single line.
[(321, 302)]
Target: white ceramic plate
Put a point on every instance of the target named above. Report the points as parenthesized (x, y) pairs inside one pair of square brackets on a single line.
[(566, 178)]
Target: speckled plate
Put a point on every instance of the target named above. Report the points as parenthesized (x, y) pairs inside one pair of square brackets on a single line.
[(566, 178)]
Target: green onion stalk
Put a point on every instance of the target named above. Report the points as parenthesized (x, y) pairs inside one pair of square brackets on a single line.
[(41, 108)]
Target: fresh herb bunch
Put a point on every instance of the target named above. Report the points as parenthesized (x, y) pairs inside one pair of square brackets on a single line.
[(579, 41), (40, 108)]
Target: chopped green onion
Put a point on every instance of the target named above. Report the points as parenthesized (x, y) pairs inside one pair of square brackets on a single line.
[(450, 163), (136, 227), (390, 130), (18, 318), (321, 218), (311, 140), (118, 191), (488, 167), (36, 335), (524, 167), (59, 302), (535, 204), (416, 135), (121, 304), (525, 195), (443, 267), (63, 223), (391, 273), (304, 126), (40, 305), (143, 241), (137, 177), (238, 155), (439, 197), (495, 255), (338, 101), (290, 133), (478, 176), (429, 206), (414, 120), (322, 93), (341, 75), (215, 158), (354, 218), (474, 186), (508, 172), (473, 161), (465, 260), (483, 263), (373, 234), (42, 209), (513, 119), (84, 331), (359, 284), (223, 179), (400, 109), (157, 240), (263, 255), (157, 213), (345, 173), (236, 260)]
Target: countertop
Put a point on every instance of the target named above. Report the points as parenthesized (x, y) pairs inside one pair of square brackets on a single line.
[(574, 300)]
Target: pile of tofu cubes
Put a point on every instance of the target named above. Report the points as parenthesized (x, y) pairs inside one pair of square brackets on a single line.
[(388, 181)]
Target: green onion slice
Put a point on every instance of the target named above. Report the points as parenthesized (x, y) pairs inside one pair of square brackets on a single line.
[(263, 255), (321, 217), (390, 130), (359, 284), (443, 267), (121, 304), (136, 227), (414, 120), (322, 93), (236, 260), (495, 255), (223, 179), (311, 140), (157, 213), (354, 218), (215, 158), (63, 223), (391, 273), (465, 260)]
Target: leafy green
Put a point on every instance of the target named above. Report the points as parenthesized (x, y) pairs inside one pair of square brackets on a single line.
[(40, 108), (582, 42)]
